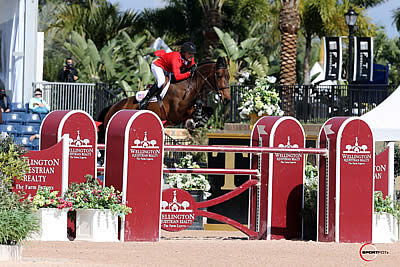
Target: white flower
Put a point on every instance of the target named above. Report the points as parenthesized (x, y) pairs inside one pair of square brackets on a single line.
[(241, 80), (261, 99), (271, 79)]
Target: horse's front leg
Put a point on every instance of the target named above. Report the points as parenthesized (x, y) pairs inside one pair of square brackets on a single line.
[(185, 109)]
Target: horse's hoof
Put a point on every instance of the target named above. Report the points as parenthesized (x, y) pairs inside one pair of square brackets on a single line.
[(190, 124)]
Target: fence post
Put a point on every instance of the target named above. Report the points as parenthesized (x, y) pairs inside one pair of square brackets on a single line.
[(134, 166), (345, 191), (275, 205)]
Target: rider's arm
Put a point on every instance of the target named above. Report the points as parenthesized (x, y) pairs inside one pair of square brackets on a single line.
[(160, 53), (176, 64)]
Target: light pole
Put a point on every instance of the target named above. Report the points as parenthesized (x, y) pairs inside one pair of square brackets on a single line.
[(351, 21)]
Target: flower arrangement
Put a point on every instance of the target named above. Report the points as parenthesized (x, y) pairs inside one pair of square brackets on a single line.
[(188, 181), (45, 198), (261, 99), (92, 195)]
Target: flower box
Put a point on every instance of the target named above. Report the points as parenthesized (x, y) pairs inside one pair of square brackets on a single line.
[(198, 196), (10, 252), (96, 225), (254, 118), (53, 225), (384, 229)]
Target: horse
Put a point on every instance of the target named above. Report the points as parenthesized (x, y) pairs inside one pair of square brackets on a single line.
[(179, 103)]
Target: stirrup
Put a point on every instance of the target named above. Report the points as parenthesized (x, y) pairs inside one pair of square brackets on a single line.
[(143, 104)]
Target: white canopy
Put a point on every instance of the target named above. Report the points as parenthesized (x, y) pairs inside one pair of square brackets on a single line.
[(384, 120)]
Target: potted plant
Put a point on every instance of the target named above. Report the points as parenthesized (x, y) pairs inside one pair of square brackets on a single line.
[(261, 100), (17, 219), (97, 210), (384, 220), (196, 184), (52, 212)]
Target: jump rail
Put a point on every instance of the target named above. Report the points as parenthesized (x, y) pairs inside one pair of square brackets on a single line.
[(207, 171), (214, 171), (239, 149), (246, 149)]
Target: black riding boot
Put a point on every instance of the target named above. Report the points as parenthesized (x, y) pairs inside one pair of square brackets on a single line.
[(197, 114), (145, 101)]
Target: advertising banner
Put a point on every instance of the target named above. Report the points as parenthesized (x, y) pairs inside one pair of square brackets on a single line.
[(363, 58), (333, 58)]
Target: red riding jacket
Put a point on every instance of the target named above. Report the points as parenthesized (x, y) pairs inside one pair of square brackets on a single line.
[(173, 62)]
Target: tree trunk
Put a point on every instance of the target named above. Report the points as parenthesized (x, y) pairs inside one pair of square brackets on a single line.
[(288, 59), (307, 78), (289, 24), (211, 18)]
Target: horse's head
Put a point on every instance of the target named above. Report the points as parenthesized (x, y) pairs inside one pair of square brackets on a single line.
[(222, 80), (215, 76)]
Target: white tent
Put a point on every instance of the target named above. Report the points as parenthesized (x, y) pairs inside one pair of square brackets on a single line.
[(384, 120)]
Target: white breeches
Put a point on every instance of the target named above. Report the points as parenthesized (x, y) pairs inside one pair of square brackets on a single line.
[(159, 74)]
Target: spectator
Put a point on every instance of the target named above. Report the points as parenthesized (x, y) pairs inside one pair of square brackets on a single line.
[(4, 100), (68, 74), (33, 137), (37, 104)]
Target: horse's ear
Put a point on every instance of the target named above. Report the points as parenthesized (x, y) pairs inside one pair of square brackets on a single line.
[(221, 63)]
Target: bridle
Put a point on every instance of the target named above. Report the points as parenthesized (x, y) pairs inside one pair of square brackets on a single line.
[(217, 89)]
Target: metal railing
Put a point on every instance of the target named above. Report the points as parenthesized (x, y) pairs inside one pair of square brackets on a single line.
[(61, 96), (311, 103), (174, 157), (317, 103), (90, 97)]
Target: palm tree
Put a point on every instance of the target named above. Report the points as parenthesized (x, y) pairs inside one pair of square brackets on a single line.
[(396, 18), (366, 3), (212, 17), (98, 21), (314, 14), (289, 24), (325, 18)]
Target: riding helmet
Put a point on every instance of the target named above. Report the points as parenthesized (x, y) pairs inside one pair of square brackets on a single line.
[(188, 47)]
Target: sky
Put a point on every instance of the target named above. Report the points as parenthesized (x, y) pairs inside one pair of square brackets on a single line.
[(381, 15)]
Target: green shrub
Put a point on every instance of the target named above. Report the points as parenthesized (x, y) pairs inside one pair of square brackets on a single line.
[(12, 164), (17, 220), (16, 225)]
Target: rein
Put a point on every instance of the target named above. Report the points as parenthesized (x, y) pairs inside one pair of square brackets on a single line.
[(217, 90)]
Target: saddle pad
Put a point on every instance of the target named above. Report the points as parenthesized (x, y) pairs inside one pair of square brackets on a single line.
[(141, 94)]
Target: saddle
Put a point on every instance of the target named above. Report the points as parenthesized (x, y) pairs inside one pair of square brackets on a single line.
[(158, 97)]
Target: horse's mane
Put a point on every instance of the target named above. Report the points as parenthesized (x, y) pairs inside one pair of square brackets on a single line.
[(206, 62)]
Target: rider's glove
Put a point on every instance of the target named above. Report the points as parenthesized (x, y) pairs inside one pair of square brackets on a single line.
[(193, 69)]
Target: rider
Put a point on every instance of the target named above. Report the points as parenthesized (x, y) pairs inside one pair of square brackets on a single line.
[(170, 63)]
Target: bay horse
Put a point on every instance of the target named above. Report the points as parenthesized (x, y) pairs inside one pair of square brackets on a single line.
[(178, 105)]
